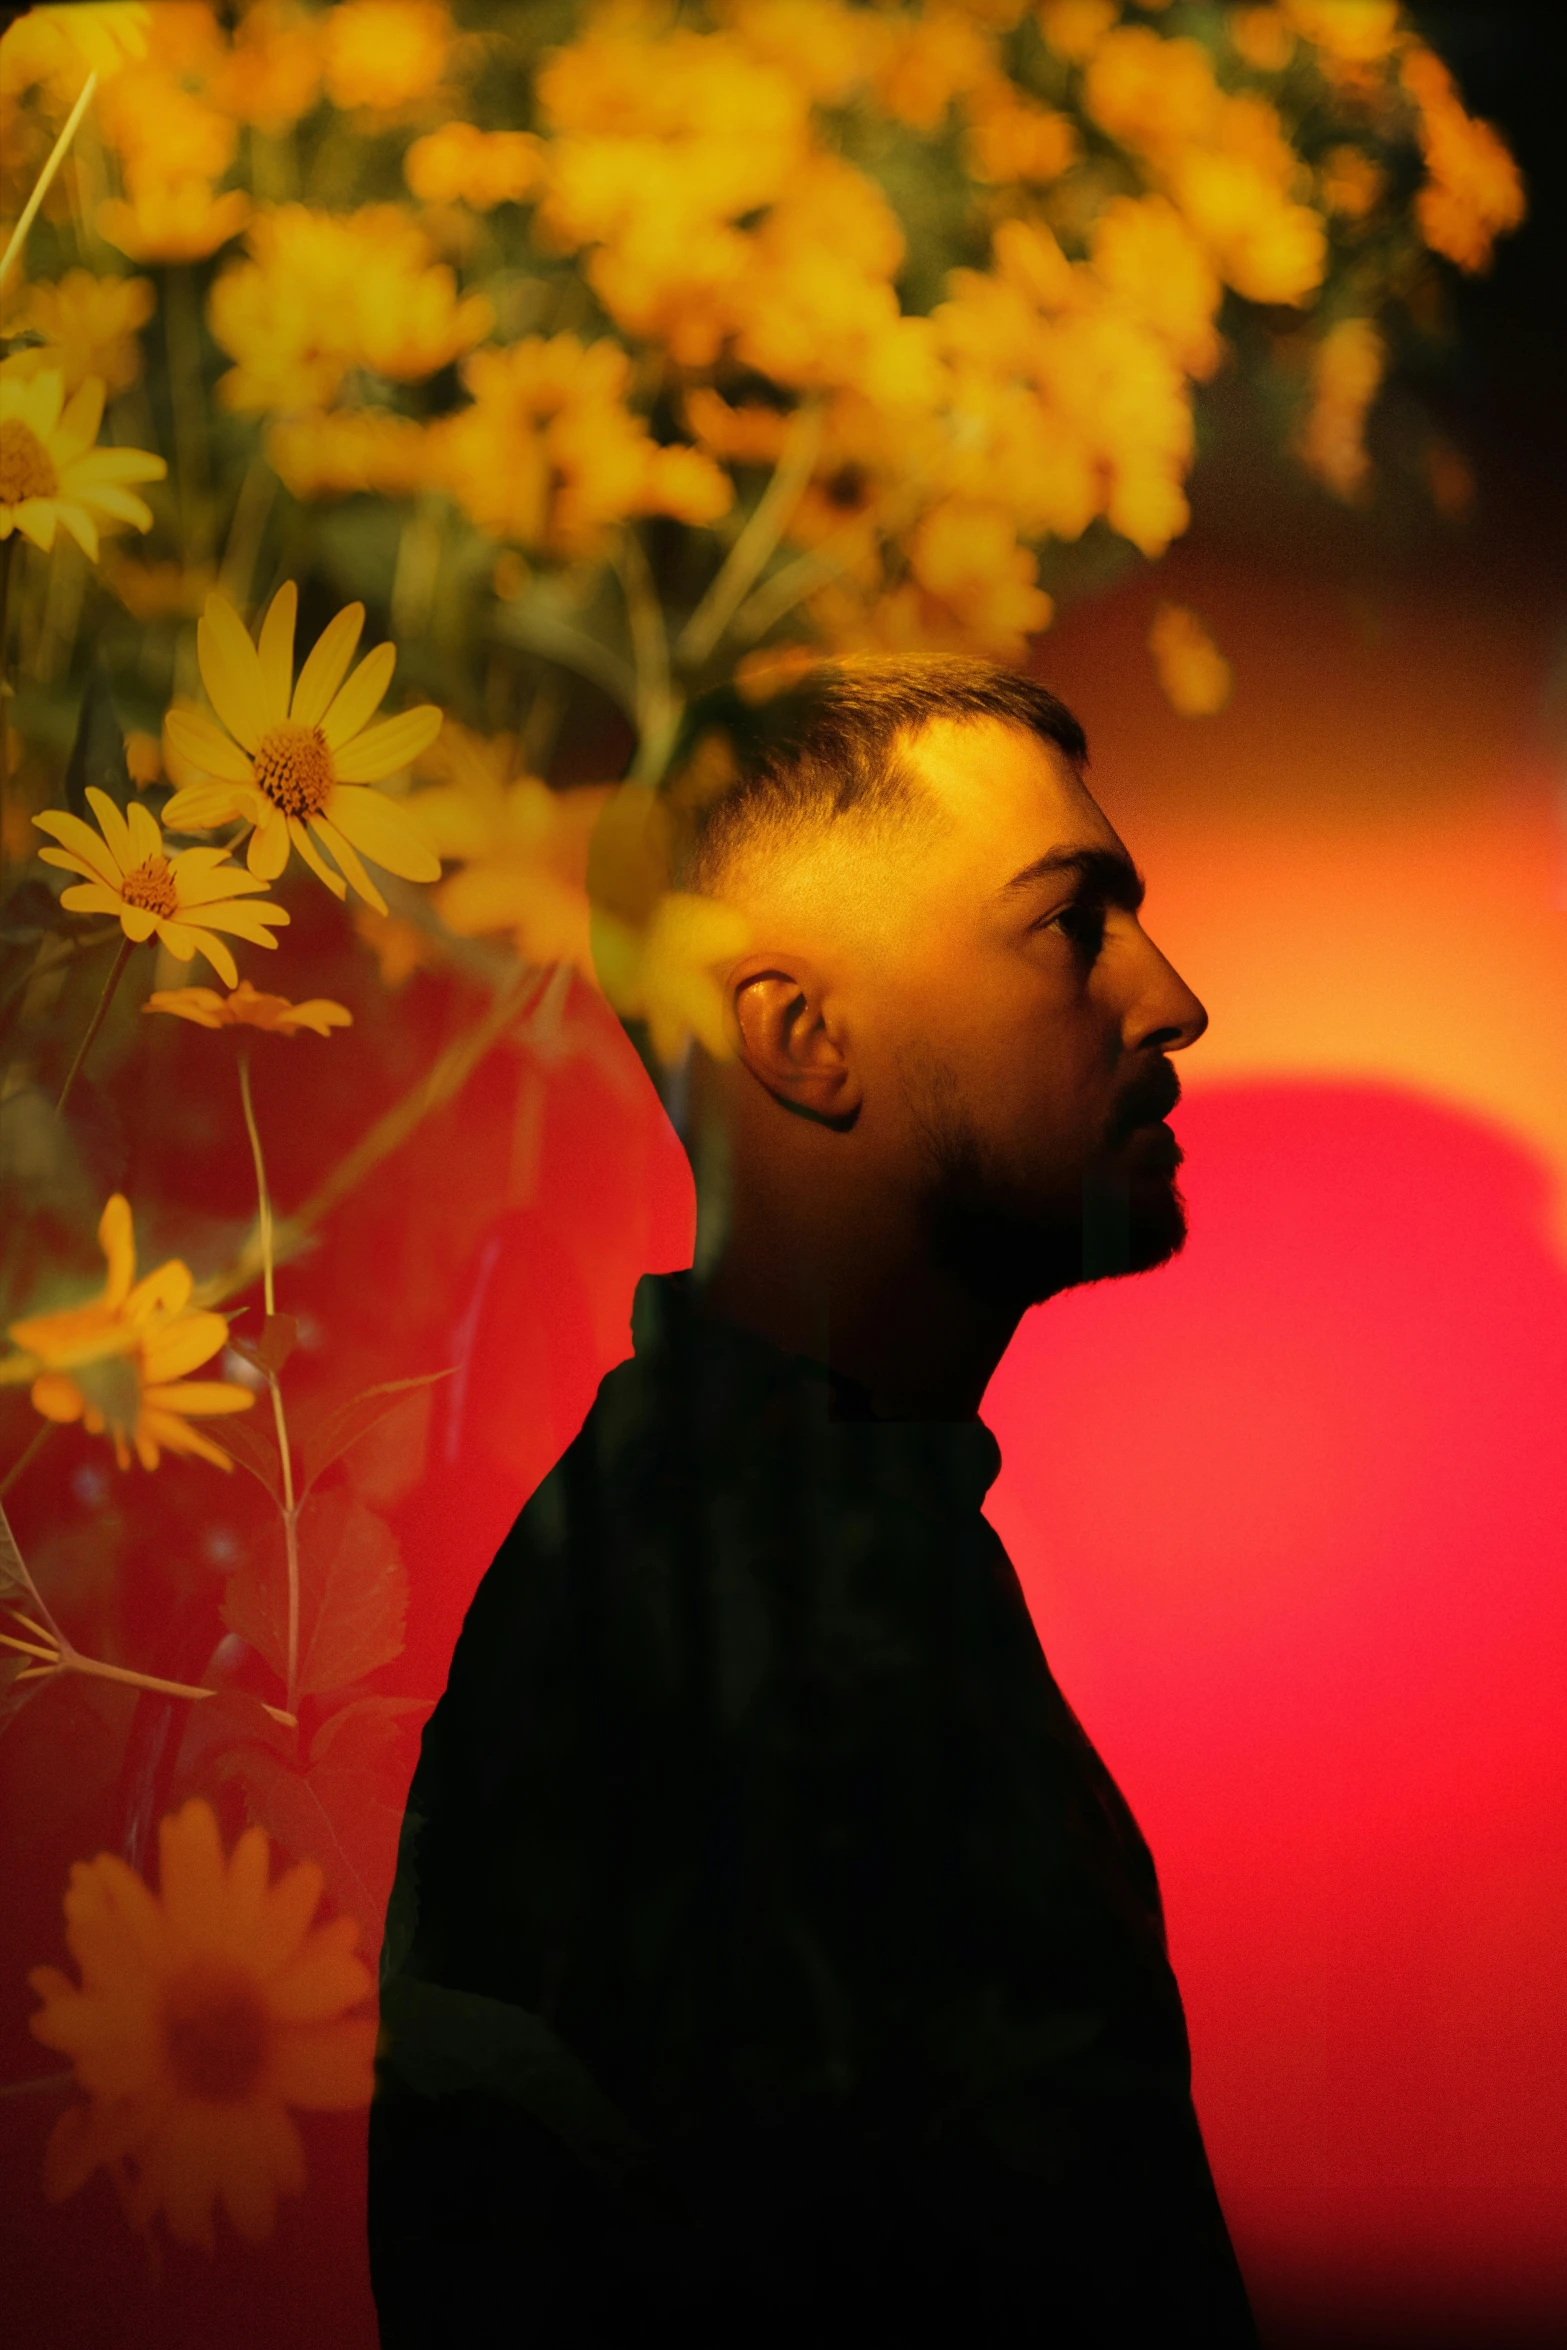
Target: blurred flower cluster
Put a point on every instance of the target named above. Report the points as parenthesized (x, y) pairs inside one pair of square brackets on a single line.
[(590, 357)]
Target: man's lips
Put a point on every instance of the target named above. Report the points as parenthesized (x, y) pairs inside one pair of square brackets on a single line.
[(1147, 1105)]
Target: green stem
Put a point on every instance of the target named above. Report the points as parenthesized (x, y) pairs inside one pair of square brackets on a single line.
[(8, 549), (391, 1130), (70, 1660), (96, 1022), (182, 340), (26, 1457), (290, 1512), (756, 542), (46, 177), (658, 708)]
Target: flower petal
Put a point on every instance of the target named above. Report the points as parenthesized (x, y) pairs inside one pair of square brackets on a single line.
[(361, 697), (323, 672), (78, 426), (314, 859), (322, 1980), (117, 1239), (88, 897), (326, 2068), (55, 1397), (230, 670), (81, 839), (203, 1005), (276, 652), (115, 829), (268, 851), (145, 838), (136, 922), (190, 1340), (35, 519), (384, 831), (202, 942), (176, 1435), (81, 527), (380, 750), (207, 1398), (197, 739), (348, 858), (191, 1872)]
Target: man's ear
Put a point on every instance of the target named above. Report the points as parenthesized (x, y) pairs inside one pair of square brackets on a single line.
[(790, 1041)]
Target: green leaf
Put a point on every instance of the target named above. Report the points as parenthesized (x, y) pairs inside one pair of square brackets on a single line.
[(330, 1439), (258, 1454), (353, 1597), (98, 753), (339, 1819), (360, 1733), (343, 1811), (278, 1339)]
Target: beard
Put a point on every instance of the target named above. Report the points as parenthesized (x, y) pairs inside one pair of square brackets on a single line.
[(1016, 1239)]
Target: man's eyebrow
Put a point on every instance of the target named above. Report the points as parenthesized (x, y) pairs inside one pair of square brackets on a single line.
[(1104, 873)]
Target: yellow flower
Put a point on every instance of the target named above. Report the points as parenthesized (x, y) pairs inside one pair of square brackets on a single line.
[(61, 46), (1474, 193), (400, 947), (118, 1362), (1196, 677), (1075, 28), (381, 53), (1011, 138), (295, 760), (331, 453), (204, 2012), (1154, 268), (1262, 37), (246, 1008), (174, 220), (459, 164), (50, 472), (326, 292), (90, 325), (966, 557), (1346, 370), (271, 75), (550, 455), (183, 899), (1350, 183), (666, 972), (523, 850), (1360, 32)]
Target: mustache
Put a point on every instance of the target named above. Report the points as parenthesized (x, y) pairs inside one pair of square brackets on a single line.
[(1146, 1100)]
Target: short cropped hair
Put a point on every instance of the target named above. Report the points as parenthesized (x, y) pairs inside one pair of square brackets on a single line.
[(751, 774)]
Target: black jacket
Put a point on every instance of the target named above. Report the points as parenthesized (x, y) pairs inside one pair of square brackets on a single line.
[(771, 1953)]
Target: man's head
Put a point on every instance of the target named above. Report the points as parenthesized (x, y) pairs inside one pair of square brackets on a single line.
[(950, 1013)]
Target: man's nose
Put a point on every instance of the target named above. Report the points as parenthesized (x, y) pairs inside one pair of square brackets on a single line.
[(1164, 1014)]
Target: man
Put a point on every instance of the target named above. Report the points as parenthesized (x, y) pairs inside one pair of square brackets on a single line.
[(772, 1958)]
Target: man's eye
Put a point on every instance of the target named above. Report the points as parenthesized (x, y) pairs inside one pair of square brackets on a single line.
[(1083, 924)]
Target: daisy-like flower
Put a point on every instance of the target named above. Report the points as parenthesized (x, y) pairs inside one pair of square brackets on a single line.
[(296, 759), (666, 972), (248, 1008), (117, 1362), (186, 897), (523, 849), (51, 475), (204, 2012)]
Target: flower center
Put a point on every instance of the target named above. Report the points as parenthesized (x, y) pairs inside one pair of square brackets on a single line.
[(293, 767), (215, 2032), (151, 887), (26, 467)]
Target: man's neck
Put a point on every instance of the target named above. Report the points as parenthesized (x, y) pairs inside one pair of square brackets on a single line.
[(877, 1313)]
